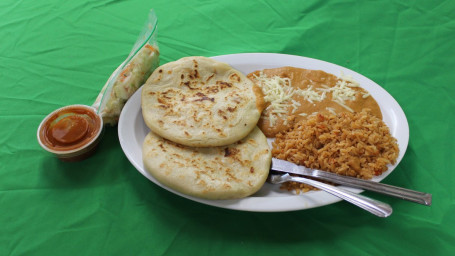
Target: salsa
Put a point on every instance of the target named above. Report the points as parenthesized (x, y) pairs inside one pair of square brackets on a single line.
[(70, 128)]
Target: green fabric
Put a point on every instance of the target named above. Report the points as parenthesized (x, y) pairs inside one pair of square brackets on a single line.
[(55, 53)]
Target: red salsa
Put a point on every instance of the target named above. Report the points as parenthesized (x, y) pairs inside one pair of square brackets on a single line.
[(70, 128)]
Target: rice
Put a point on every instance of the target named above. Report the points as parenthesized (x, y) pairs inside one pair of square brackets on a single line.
[(352, 144)]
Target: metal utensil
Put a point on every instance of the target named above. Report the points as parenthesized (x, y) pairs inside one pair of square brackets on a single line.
[(403, 193), (373, 206)]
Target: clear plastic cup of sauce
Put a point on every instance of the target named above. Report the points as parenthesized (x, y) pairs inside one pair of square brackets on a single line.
[(71, 133)]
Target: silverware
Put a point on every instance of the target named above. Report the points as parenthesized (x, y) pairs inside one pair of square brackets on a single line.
[(403, 193), (373, 206)]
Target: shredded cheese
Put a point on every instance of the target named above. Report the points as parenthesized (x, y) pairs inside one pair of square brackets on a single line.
[(331, 110), (349, 79), (343, 91), (279, 93), (311, 95), (343, 105)]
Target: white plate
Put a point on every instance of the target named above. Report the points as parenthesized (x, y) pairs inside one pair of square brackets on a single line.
[(132, 131)]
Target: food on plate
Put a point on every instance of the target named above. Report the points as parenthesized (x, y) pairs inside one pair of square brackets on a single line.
[(293, 94), (204, 141), (226, 172), (352, 144), (201, 102), (130, 78)]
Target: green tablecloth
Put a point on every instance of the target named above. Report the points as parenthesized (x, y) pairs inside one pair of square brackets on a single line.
[(54, 53)]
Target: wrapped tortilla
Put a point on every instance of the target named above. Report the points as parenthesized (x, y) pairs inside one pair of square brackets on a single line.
[(131, 74)]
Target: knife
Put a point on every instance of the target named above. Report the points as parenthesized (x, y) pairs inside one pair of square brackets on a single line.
[(403, 193)]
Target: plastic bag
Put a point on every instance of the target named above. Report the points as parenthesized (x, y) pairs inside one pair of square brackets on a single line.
[(131, 74)]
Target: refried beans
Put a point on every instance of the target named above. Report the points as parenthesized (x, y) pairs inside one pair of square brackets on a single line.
[(301, 107)]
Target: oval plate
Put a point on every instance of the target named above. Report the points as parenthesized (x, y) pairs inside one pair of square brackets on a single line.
[(132, 131)]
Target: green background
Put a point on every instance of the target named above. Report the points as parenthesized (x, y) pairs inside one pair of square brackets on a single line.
[(55, 53)]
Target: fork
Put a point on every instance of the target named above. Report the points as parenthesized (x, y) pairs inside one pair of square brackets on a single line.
[(373, 206)]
